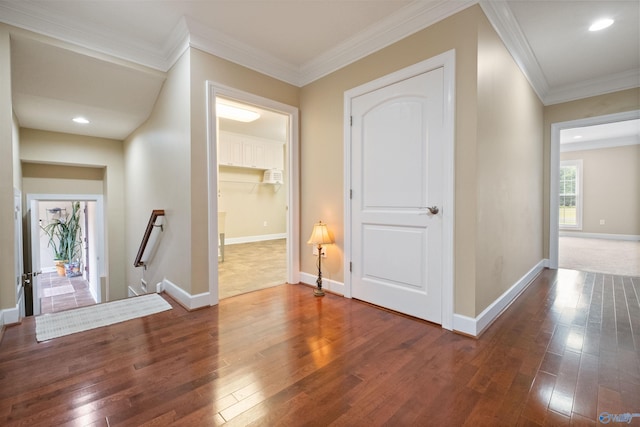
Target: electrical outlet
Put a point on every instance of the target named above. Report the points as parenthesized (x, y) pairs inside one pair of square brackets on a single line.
[(602, 222)]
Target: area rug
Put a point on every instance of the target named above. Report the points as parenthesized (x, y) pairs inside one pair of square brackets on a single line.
[(54, 325), (58, 290)]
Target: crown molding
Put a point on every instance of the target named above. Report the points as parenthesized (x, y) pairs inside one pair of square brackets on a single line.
[(408, 20), (43, 19), (177, 43), (505, 24), (223, 46), (607, 84)]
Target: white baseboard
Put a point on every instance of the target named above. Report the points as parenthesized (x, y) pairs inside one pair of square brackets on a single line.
[(475, 327), (632, 237), (185, 299), (251, 239), (328, 284), (10, 316)]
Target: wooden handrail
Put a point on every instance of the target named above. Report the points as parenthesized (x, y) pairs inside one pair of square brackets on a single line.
[(141, 259)]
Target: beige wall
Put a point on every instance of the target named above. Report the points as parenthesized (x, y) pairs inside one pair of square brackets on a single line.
[(7, 177), (611, 189), (51, 148), (249, 204), (509, 172), (157, 171), (208, 67), (498, 123), (322, 143), (611, 103)]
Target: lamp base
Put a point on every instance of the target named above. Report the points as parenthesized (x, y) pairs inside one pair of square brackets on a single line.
[(318, 292)]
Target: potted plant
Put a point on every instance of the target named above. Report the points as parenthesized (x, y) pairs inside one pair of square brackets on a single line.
[(65, 240)]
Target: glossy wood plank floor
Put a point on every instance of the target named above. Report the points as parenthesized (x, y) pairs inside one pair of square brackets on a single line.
[(563, 353)]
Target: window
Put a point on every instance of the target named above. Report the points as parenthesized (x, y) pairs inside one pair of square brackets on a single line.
[(570, 194)]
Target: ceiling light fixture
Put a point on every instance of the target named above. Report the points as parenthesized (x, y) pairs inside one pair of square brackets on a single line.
[(601, 24), (81, 120), (231, 112)]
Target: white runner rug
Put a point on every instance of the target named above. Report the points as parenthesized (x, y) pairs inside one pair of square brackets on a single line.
[(54, 325)]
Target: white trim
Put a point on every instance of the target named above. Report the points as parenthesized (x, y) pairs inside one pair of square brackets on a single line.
[(506, 25), (475, 327), (215, 89), (102, 255), (327, 284), (445, 60), (599, 86), (554, 170), (184, 298), (410, 19), (626, 237), (10, 316), (45, 19), (251, 239)]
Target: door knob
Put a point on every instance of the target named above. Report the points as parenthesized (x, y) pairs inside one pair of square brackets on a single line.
[(433, 210)]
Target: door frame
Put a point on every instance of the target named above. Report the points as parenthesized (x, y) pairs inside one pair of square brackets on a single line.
[(100, 248), (554, 171), (446, 61), (214, 90)]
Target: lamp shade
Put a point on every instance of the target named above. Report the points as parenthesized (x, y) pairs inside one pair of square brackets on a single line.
[(320, 235)]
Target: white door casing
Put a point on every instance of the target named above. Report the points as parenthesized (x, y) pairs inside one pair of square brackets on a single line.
[(214, 90), (19, 259), (99, 251), (400, 164)]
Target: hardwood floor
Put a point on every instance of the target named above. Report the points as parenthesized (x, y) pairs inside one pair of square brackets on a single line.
[(566, 351)]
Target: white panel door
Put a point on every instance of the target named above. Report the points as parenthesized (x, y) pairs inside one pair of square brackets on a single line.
[(397, 167)]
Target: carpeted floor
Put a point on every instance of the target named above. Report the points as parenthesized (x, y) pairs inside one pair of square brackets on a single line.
[(619, 257), (251, 266)]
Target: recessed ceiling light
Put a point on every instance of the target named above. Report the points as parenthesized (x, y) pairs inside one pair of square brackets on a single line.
[(80, 120), (577, 137), (601, 24)]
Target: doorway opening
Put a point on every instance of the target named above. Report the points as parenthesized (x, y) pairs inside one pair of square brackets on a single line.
[(252, 197), (595, 195), (78, 282), (253, 177)]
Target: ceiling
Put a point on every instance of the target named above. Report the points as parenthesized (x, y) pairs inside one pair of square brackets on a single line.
[(106, 59)]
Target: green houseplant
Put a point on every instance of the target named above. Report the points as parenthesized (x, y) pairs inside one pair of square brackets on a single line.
[(65, 240)]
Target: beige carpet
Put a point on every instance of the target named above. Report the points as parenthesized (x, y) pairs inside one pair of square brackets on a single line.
[(619, 257)]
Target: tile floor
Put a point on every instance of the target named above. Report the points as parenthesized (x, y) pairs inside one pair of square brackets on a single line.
[(60, 293)]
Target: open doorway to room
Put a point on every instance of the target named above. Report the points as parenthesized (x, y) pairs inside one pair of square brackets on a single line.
[(597, 198), (253, 196), (59, 286)]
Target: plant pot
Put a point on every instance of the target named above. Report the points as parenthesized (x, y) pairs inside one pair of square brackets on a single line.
[(72, 269), (60, 268)]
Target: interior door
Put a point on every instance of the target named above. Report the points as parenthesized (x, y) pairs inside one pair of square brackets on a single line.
[(34, 228), (397, 167), (19, 264)]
